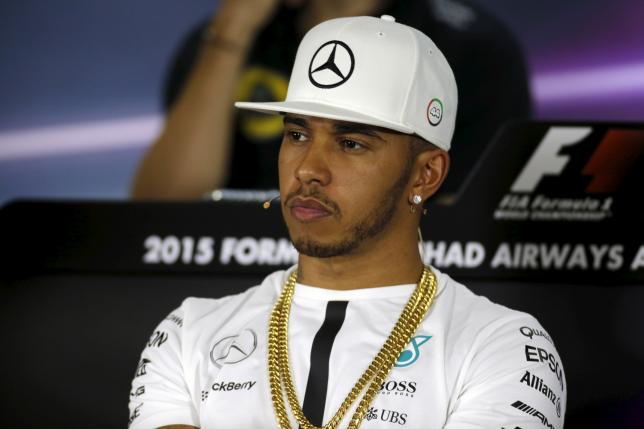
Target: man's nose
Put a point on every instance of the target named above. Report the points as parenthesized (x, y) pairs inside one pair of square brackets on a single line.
[(314, 164)]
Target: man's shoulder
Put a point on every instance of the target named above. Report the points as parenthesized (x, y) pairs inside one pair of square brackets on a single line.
[(470, 310), (256, 298), (480, 329)]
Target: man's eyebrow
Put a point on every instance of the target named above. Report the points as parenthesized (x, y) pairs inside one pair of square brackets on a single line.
[(352, 128), (295, 120), (338, 128)]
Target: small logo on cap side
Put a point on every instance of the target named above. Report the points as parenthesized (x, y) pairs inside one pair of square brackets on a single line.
[(331, 65), (435, 111)]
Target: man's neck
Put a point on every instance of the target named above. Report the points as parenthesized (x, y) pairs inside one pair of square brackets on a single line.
[(376, 267)]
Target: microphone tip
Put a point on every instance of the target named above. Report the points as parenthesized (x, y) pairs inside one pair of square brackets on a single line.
[(267, 203)]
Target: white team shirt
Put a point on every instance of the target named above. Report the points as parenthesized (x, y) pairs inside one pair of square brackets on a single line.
[(470, 364)]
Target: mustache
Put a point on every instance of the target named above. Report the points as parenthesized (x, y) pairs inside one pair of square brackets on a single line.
[(313, 193)]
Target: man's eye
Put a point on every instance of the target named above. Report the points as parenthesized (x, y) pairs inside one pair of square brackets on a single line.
[(351, 145), (296, 136)]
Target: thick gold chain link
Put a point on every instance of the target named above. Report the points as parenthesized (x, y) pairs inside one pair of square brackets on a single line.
[(279, 369)]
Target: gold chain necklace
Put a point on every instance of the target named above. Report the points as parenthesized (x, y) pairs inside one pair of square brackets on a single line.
[(279, 369)]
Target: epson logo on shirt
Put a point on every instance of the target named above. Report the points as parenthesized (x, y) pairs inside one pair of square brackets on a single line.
[(227, 386), (537, 354)]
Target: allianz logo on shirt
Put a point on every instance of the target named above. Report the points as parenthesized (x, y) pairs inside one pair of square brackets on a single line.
[(412, 352)]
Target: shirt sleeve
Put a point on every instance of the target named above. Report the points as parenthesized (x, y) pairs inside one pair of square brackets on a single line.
[(159, 394), (512, 378)]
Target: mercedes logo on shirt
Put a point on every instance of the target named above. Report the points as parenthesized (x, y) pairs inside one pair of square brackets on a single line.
[(233, 348), (331, 65)]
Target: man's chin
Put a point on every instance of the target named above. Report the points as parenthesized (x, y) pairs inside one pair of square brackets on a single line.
[(317, 249)]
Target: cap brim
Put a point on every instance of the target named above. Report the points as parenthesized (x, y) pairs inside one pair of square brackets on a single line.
[(321, 110)]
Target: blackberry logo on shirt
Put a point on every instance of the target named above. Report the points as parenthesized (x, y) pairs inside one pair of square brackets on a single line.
[(229, 386), (538, 354), (141, 368), (533, 412), (529, 332), (233, 349), (398, 388), (412, 352), (388, 416), (539, 385), (204, 395), (157, 339)]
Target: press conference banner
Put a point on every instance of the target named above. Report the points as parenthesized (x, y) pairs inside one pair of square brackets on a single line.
[(548, 202)]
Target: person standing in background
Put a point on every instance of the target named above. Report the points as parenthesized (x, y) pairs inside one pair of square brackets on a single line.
[(245, 53)]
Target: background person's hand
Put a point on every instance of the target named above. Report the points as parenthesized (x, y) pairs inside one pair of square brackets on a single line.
[(243, 15)]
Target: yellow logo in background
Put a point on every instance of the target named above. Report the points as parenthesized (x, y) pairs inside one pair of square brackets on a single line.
[(261, 84)]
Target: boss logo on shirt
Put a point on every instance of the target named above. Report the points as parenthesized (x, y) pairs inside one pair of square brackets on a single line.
[(234, 348), (398, 388)]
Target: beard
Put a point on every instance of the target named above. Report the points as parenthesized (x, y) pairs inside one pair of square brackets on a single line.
[(370, 226)]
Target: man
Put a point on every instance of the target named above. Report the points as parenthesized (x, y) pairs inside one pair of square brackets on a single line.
[(359, 333)]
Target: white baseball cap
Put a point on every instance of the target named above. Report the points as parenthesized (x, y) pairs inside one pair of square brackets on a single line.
[(372, 71)]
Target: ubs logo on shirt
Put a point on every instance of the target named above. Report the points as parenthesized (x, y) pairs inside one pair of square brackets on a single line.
[(234, 348), (412, 352), (389, 416)]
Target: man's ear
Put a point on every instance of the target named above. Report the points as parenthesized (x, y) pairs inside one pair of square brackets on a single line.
[(430, 170)]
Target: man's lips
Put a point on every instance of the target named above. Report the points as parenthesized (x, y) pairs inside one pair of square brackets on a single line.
[(308, 209)]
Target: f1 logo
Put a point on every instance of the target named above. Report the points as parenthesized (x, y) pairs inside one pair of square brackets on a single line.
[(614, 157), (546, 159)]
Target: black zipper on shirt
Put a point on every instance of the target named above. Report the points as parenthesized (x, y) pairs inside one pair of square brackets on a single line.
[(316, 386)]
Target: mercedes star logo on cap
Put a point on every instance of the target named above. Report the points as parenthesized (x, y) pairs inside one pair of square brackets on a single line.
[(331, 65)]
